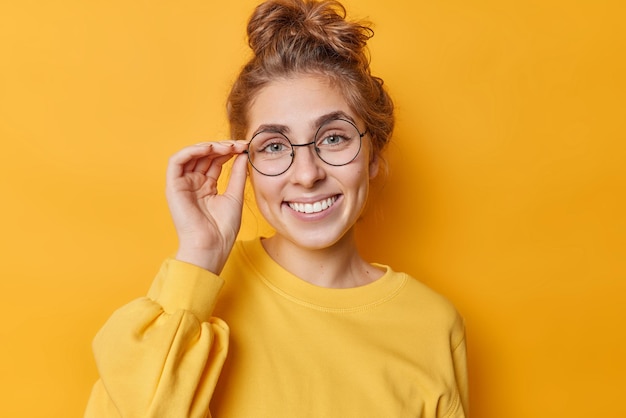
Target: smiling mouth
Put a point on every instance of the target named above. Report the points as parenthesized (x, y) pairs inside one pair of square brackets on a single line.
[(315, 207)]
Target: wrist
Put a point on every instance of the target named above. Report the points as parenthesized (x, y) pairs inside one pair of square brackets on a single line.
[(202, 258)]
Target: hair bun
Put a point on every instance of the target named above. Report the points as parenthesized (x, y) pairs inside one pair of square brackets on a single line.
[(312, 37), (280, 28)]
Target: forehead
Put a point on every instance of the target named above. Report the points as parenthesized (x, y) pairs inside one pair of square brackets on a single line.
[(297, 103)]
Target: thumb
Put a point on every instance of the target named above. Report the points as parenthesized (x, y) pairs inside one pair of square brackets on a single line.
[(238, 175)]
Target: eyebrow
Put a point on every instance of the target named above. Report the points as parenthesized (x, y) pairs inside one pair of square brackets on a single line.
[(284, 129), (271, 127), (332, 116)]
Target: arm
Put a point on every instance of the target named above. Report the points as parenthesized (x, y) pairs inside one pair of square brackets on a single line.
[(458, 347), (161, 355), (459, 357), (453, 402)]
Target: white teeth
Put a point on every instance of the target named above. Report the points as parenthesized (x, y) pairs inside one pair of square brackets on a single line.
[(313, 207)]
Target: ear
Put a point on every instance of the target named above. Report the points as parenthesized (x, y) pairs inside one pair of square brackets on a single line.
[(374, 165)]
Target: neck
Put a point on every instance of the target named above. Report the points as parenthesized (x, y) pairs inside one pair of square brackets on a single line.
[(337, 266)]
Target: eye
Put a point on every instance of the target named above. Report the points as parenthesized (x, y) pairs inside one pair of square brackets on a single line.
[(274, 147), (270, 144), (333, 139), (336, 135)]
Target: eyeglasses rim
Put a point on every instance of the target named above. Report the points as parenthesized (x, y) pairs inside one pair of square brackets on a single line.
[(293, 146)]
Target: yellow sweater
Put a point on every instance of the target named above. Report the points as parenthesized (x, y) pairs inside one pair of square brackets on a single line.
[(392, 348)]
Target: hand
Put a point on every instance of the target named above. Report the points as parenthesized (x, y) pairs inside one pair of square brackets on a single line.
[(206, 222)]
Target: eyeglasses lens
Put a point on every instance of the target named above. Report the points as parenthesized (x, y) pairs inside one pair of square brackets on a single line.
[(337, 143)]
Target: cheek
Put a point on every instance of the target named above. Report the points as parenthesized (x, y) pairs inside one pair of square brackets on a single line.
[(257, 181), (358, 182), (265, 190), (366, 171)]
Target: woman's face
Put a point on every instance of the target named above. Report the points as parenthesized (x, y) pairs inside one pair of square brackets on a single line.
[(312, 205)]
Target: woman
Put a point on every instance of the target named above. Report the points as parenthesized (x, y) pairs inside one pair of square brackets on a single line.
[(296, 324)]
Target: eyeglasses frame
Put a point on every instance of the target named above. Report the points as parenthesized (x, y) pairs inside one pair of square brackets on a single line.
[(317, 150)]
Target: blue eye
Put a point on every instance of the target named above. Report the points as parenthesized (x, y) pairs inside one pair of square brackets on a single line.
[(270, 143), (274, 147), (333, 139)]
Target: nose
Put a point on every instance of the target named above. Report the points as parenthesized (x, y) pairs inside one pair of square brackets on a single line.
[(307, 168)]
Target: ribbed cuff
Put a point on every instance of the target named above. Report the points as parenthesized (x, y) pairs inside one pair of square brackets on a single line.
[(181, 285)]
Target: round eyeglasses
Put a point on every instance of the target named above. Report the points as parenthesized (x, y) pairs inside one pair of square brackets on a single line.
[(337, 142)]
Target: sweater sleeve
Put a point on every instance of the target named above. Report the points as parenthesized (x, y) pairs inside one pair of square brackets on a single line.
[(459, 358), (161, 355)]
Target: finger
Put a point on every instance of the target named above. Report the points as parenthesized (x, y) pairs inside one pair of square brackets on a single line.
[(212, 167), (219, 148), (227, 148), (238, 175), (215, 168), (238, 146), (190, 165), (187, 159)]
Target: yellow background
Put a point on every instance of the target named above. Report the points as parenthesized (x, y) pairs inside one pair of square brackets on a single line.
[(505, 192)]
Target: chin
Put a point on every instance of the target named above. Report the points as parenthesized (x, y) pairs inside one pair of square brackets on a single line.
[(319, 239)]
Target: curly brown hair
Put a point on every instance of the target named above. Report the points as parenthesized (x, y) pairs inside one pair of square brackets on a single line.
[(292, 37)]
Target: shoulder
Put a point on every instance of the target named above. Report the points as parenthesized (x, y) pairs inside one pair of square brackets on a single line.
[(421, 295), (430, 307)]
